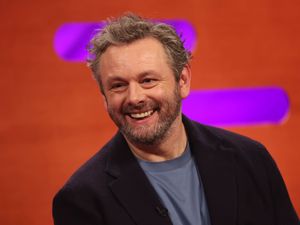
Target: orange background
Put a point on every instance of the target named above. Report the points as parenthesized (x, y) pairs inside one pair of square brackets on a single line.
[(52, 117)]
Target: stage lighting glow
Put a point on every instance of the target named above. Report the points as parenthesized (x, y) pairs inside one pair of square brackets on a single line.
[(71, 39), (238, 106)]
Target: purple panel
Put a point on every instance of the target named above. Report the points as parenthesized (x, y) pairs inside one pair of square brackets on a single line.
[(71, 39), (234, 107)]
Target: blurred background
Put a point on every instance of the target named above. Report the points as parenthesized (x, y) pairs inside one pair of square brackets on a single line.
[(52, 116)]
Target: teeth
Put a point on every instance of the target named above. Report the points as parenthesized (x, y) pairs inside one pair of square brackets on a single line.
[(141, 115)]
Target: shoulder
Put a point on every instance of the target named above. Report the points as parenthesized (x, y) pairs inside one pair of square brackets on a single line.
[(84, 190), (85, 175), (76, 201), (92, 174), (212, 134), (223, 141), (231, 139)]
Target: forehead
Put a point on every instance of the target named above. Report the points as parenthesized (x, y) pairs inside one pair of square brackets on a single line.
[(140, 54)]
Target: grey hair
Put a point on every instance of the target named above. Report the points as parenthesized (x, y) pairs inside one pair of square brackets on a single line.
[(129, 28)]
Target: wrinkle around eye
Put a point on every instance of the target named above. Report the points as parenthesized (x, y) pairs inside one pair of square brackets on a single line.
[(117, 87), (149, 82)]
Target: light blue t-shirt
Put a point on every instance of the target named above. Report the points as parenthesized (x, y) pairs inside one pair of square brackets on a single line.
[(179, 187)]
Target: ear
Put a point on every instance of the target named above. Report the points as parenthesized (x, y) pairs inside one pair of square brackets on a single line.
[(185, 81)]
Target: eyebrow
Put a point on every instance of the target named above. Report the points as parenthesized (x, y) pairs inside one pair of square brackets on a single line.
[(115, 78), (139, 76), (146, 73)]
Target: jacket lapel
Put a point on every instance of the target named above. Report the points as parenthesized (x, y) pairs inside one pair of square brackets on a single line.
[(131, 186), (215, 163)]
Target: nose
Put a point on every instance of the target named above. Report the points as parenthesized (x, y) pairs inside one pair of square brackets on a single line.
[(136, 94)]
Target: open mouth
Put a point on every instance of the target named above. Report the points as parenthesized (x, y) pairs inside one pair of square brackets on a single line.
[(140, 116)]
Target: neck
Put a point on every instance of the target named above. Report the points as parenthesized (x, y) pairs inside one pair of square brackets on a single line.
[(172, 145)]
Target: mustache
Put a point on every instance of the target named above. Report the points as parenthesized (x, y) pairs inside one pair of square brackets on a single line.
[(141, 106)]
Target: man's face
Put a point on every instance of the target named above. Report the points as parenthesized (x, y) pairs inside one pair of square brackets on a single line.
[(141, 94)]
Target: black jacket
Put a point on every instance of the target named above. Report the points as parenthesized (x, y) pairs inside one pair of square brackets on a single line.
[(241, 182)]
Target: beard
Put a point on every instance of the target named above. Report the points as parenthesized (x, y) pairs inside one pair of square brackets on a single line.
[(168, 109)]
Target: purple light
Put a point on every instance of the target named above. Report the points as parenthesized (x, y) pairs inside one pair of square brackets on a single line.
[(71, 39), (234, 107)]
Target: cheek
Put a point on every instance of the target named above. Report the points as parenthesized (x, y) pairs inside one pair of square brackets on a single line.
[(104, 102), (164, 97), (114, 103), (160, 93)]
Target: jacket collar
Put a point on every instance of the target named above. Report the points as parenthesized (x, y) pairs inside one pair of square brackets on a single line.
[(215, 164)]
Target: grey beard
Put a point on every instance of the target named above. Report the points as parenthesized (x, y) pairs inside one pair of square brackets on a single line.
[(160, 131), (146, 138)]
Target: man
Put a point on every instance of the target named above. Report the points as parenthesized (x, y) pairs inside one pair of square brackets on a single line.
[(161, 167)]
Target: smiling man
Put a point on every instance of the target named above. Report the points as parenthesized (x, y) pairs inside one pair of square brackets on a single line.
[(161, 167), (143, 98)]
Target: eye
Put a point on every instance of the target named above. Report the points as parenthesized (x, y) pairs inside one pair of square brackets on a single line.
[(148, 82), (118, 86)]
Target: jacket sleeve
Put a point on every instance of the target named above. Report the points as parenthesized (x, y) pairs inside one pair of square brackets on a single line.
[(72, 209), (284, 211)]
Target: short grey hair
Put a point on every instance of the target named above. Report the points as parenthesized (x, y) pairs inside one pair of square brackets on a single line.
[(129, 28)]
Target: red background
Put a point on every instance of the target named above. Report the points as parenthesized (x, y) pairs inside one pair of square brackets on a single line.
[(52, 118)]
